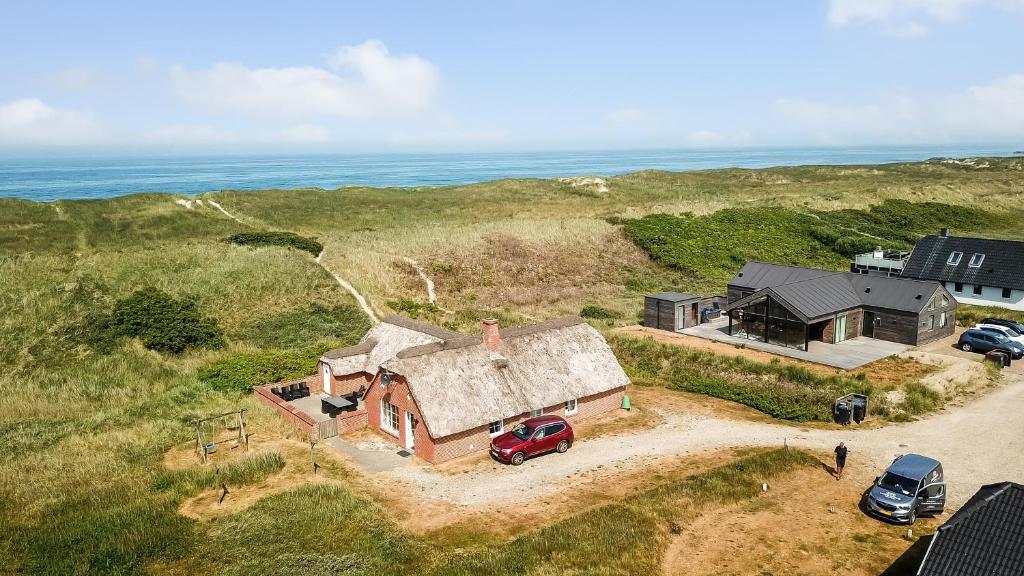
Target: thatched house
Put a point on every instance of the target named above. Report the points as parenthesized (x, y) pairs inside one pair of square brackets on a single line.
[(443, 394)]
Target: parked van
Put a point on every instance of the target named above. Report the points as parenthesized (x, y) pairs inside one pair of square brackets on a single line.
[(912, 485)]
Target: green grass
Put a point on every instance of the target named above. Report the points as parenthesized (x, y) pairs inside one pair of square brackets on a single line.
[(285, 239), (780, 390), (81, 465), (968, 315)]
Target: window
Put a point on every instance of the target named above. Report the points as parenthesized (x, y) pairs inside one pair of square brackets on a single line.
[(931, 322), (976, 260), (554, 429), (942, 320), (954, 258), (945, 301), (931, 304), (388, 417), (1006, 293), (537, 412), (496, 427), (958, 287), (570, 406), (977, 289)]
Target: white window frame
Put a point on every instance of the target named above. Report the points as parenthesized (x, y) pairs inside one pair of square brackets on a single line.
[(954, 258), (945, 301), (500, 428), (942, 320), (980, 258), (385, 418), (536, 413), (571, 406)]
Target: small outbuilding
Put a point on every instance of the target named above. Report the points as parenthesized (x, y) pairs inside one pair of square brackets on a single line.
[(675, 311)]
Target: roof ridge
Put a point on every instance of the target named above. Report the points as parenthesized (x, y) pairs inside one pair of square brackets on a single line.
[(940, 237), (467, 340), (362, 348), (983, 503), (420, 326)]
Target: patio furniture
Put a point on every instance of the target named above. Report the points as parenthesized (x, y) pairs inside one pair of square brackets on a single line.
[(302, 390), (276, 391), (332, 405), (289, 392)]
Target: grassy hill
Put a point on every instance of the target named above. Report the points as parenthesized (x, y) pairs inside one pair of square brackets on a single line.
[(86, 429)]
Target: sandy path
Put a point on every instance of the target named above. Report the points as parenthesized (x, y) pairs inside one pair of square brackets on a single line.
[(351, 289), (217, 205), (431, 295), (978, 443)]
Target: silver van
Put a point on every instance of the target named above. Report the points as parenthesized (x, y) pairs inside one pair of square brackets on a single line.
[(912, 485)]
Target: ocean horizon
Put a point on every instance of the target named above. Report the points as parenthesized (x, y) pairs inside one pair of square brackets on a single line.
[(93, 177)]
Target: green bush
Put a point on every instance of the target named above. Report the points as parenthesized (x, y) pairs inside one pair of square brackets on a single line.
[(162, 322), (850, 246), (595, 312), (286, 239), (413, 308), (240, 372)]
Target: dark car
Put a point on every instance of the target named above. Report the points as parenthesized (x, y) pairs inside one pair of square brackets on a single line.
[(1017, 327), (976, 340), (532, 437), (912, 485)]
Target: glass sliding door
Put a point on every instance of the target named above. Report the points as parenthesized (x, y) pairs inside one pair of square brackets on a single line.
[(840, 332)]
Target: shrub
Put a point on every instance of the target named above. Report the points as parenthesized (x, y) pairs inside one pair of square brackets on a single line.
[(163, 323), (240, 372), (598, 313), (160, 321), (286, 239), (852, 245)]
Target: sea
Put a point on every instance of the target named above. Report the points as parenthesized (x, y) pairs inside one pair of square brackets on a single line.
[(43, 178)]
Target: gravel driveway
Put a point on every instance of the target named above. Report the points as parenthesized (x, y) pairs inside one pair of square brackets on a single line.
[(978, 443)]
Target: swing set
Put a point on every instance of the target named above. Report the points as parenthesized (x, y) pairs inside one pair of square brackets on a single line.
[(207, 443)]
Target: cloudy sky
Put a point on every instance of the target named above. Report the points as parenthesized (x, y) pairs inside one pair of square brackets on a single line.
[(444, 75)]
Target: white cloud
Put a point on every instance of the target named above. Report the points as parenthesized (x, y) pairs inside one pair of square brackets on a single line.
[(363, 81), (306, 133), (31, 121), (993, 111), (906, 18)]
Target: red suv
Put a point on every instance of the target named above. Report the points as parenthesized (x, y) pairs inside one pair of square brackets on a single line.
[(534, 436)]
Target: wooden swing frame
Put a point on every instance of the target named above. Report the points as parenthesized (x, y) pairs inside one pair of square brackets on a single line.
[(242, 439)]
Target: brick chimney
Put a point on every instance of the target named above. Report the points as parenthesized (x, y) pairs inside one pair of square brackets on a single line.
[(492, 339)]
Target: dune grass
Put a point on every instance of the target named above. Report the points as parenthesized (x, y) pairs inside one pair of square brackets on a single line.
[(82, 483)]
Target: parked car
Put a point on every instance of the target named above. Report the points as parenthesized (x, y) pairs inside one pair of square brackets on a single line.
[(1011, 334), (976, 340), (1016, 326), (912, 485), (531, 438)]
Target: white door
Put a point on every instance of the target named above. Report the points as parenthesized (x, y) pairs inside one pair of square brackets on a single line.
[(327, 378), (410, 435)]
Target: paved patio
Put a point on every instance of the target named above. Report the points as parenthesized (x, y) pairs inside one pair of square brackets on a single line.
[(311, 406), (845, 355), (372, 457)]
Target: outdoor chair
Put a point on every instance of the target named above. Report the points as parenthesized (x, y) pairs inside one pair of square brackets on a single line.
[(276, 391), (302, 389), (288, 392)]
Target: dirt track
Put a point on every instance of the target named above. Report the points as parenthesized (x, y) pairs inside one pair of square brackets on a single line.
[(979, 442)]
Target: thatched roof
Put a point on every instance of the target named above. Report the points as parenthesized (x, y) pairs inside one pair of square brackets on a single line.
[(383, 341), (458, 384)]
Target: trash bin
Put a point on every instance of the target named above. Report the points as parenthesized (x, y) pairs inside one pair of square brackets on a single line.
[(860, 409), (998, 357), (843, 413)]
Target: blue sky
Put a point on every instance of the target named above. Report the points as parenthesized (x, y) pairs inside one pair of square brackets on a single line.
[(236, 76)]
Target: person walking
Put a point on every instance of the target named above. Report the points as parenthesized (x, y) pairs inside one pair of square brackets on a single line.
[(840, 460)]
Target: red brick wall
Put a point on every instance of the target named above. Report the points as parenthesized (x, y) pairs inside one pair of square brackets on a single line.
[(829, 331), (474, 440), (351, 421), (286, 410), (854, 323)]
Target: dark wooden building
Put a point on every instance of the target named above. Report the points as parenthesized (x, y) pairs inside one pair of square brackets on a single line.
[(675, 311), (791, 305)]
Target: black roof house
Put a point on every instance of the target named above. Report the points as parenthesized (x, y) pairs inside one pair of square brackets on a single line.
[(978, 261), (812, 293), (984, 538)]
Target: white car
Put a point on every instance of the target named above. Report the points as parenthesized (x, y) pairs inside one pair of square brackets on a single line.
[(1009, 333)]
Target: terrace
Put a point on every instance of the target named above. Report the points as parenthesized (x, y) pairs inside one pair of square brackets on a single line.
[(319, 415)]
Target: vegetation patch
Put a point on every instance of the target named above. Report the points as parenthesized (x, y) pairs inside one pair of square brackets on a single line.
[(300, 327), (595, 312), (713, 247), (248, 469), (240, 372), (160, 321), (285, 239), (415, 309), (780, 390), (968, 315)]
